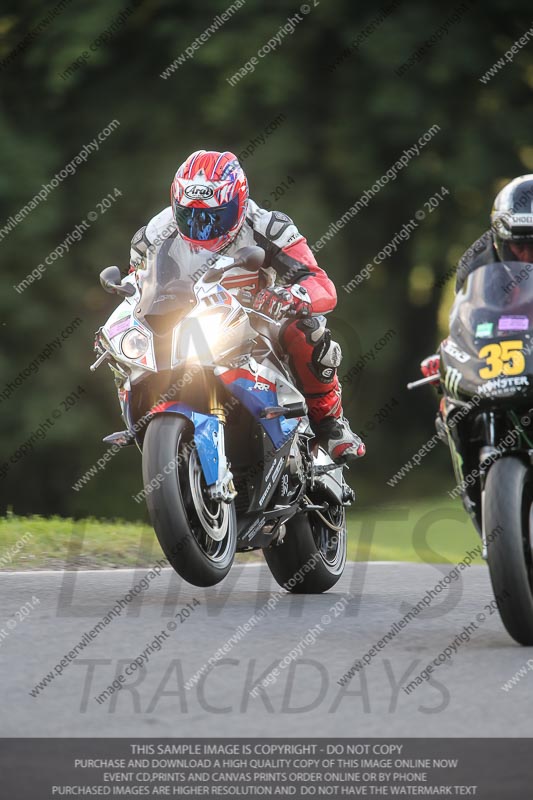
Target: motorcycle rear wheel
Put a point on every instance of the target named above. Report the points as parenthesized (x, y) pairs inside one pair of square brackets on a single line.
[(508, 525), (196, 534), (310, 543)]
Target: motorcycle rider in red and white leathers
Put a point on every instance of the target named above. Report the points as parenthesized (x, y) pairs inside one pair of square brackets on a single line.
[(211, 210)]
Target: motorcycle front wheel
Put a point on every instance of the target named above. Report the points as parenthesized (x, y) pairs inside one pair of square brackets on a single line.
[(508, 521), (196, 534)]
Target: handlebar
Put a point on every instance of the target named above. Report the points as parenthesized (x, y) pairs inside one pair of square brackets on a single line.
[(423, 381)]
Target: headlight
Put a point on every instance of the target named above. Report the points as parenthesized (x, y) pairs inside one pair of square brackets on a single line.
[(134, 344), (210, 327), (206, 336), (198, 338)]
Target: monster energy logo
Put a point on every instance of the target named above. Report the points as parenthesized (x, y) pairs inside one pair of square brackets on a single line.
[(452, 381)]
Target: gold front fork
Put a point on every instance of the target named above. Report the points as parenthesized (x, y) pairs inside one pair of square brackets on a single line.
[(215, 406)]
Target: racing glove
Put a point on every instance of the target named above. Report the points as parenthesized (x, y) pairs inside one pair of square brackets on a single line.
[(278, 302), (430, 367)]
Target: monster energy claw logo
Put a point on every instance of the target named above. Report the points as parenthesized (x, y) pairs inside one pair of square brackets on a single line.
[(452, 380)]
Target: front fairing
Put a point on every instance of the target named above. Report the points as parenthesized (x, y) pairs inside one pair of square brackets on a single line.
[(489, 351), (123, 322)]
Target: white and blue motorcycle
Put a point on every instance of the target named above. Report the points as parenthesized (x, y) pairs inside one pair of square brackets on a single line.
[(229, 461)]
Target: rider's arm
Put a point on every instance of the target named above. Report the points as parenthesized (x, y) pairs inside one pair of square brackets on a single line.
[(139, 245), (154, 233), (296, 264), (291, 257)]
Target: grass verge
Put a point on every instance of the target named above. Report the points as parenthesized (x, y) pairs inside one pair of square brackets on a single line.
[(431, 532)]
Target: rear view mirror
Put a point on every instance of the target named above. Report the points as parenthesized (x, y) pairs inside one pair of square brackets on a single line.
[(110, 280), (250, 258), (213, 275)]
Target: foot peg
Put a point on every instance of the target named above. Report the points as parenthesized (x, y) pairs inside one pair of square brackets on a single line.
[(120, 438), (290, 411)]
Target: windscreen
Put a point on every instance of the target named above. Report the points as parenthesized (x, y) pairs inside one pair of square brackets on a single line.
[(497, 300), (166, 286)]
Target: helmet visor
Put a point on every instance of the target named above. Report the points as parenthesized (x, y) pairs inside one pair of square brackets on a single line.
[(202, 224)]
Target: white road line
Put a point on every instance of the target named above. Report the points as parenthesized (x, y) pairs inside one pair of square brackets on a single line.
[(135, 570)]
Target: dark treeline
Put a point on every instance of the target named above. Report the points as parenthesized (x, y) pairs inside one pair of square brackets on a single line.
[(394, 146)]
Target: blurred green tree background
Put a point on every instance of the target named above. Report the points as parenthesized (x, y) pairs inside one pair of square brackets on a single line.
[(346, 118)]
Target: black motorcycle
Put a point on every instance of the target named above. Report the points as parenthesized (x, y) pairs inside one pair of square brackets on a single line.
[(486, 416)]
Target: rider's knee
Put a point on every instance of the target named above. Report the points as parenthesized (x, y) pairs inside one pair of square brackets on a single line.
[(309, 339)]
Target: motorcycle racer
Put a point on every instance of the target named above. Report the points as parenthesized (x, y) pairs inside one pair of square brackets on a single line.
[(211, 210), (509, 238)]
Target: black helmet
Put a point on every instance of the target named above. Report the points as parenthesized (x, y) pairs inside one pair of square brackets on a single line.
[(512, 216)]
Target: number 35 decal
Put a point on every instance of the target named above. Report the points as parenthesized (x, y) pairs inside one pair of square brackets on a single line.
[(505, 358)]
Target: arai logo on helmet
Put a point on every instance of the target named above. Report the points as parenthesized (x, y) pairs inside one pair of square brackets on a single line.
[(199, 192)]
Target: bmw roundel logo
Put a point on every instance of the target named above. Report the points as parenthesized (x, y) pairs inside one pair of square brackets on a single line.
[(199, 192)]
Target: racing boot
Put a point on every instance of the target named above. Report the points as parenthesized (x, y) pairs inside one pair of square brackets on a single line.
[(331, 427), (337, 438)]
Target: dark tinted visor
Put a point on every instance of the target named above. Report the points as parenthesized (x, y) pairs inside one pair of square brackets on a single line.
[(522, 199), (521, 234), (202, 224)]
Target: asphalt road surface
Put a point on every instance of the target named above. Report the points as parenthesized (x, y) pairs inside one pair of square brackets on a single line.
[(326, 634)]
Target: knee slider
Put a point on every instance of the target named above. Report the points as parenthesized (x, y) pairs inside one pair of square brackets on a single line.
[(331, 354), (326, 358)]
